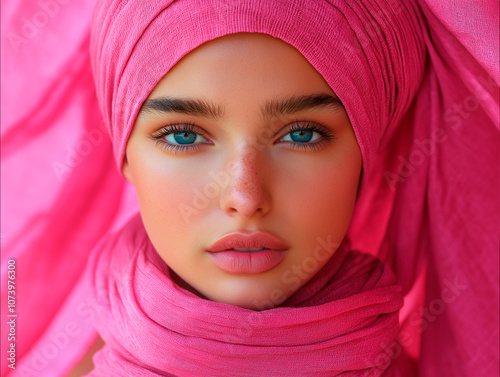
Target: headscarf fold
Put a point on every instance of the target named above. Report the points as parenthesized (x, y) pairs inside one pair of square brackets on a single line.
[(370, 53), (334, 325)]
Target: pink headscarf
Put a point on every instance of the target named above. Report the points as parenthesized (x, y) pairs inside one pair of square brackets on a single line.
[(370, 53), (431, 192)]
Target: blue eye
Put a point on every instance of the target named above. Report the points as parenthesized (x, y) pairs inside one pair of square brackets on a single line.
[(301, 136), (307, 136), (183, 137), (180, 137)]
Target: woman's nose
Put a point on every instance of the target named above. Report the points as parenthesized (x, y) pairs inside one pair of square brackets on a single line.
[(247, 192)]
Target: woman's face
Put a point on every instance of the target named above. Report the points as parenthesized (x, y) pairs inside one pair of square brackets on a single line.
[(244, 142)]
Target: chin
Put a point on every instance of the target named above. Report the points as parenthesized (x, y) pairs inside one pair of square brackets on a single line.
[(248, 294)]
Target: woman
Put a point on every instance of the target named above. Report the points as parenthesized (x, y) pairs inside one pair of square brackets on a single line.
[(390, 182)]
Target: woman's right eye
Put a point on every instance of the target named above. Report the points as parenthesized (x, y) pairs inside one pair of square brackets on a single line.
[(184, 138), (180, 137)]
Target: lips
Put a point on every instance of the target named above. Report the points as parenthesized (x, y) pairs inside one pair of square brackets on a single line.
[(248, 253), (254, 240)]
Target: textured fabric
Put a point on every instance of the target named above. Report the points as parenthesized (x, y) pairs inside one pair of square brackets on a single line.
[(60, 191), (331, 326), (365, 56), (462, 202), (430, 196)]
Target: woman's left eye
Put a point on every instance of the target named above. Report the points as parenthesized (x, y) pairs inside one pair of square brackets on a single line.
[(308, 136), (301, 136)]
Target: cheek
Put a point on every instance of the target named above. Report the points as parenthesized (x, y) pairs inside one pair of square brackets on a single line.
[(170, 193), (320, 197)]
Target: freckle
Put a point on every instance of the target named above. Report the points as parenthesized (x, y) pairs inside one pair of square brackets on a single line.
[(249, 179)]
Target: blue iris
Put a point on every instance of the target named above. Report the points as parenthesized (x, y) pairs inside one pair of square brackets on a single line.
[(185, 137), (301, 136)]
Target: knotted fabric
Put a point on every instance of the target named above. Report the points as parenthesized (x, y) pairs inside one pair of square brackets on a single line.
[(338, 323)]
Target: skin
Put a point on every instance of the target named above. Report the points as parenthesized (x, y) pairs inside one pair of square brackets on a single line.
[(86, 364), (264, 180)]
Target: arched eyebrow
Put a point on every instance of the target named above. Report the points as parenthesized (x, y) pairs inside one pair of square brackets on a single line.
[(271, 108), (187, 106), (295, 104)]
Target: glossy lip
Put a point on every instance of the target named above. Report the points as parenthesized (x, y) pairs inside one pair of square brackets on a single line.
[(248, 262)]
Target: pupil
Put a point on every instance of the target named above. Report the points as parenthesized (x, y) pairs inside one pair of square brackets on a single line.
[(302, 136)]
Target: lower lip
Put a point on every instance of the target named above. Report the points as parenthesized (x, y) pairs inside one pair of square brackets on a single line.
[(247, 262)]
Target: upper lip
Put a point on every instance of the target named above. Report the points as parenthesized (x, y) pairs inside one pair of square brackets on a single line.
[(248, 240)]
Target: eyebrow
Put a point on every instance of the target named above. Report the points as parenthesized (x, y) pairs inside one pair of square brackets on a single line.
[(188, 106), (272, 108), (295, 104)]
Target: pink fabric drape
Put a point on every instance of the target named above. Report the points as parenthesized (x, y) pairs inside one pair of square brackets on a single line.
[(331, 326), (60, 190), (430, 195)]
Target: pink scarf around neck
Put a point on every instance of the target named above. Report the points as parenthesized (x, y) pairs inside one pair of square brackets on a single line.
[(338, 323)]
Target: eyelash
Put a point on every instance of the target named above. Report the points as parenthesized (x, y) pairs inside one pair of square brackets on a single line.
[(173, 128), (325, 133)]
